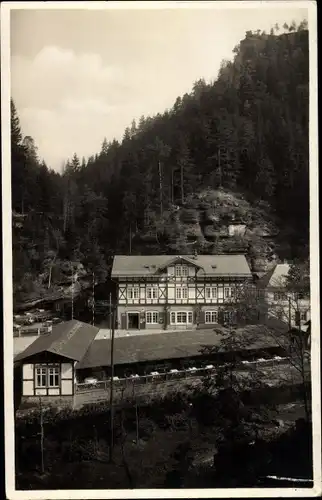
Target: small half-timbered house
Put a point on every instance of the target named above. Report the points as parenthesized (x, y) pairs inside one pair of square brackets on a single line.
[(47, 366), (176, 292)]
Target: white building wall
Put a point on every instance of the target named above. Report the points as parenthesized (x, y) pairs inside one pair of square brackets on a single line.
[(67, 387), (27, 387)]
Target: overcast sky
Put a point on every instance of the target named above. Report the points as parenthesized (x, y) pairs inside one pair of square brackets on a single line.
[(78, 76)]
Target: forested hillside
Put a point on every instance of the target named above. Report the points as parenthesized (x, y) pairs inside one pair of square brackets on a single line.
[(232, 151)]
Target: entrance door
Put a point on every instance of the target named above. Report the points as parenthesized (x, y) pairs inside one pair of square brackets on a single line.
[(133, 321)]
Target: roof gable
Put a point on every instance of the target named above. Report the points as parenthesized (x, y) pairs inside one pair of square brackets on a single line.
[(70, 339), (180, 259)]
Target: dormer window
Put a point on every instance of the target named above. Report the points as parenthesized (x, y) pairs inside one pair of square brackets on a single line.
[(182, 271)]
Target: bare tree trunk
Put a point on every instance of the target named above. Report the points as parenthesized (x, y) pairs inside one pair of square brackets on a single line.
[(182, 190), (50, 270), (172, 187), (219, 169), (65, 213), (161, 196)]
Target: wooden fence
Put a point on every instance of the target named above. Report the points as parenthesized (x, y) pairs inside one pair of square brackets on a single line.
[(27, 331)]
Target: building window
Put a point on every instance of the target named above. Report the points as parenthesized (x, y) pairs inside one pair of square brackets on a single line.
[(53, 376), (181, 317), (152, 292), (47, 376), (152, 317), (211, 292), (41, 376), (182, 292), (133, 293), (211, 317), (303, 316), (182, 271), (280, 296), (228, 316), (229, 292)]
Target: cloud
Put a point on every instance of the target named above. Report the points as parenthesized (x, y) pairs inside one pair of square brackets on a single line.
[(66, 101), (56, 74)]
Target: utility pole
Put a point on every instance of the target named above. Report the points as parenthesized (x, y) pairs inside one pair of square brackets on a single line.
[(130, 239), (111, 390), (160, 179), (219, 168), (136, 415), (72, 294), (42, 437), (110, 314), (93, 302)]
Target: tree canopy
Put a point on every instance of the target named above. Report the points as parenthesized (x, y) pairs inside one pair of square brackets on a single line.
[(246, 133)]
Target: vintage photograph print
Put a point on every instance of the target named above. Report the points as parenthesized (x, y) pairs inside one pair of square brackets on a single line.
[(160, 242)]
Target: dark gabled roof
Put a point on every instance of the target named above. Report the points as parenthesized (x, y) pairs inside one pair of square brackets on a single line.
[(173, 345), (276, 277), (70, 339), (264, 279), (210, 265)]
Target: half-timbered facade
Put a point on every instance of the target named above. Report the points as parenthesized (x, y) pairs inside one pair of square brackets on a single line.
[(175, 292)]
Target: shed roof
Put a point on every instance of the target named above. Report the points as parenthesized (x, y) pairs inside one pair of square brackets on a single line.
[(209, 265), (70, 339), (173, 345)]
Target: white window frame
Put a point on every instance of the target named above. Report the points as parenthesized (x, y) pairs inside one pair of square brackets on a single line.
[(53, 372), (152, 292), (182, 292), (133, 292), (154, 316), (188, 315), (229, 292), (303, 315), (41, 376), (210, 292), (211, 317), (48, 376), (181, 271)]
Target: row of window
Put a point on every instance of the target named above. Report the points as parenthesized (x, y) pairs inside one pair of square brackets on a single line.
[(182, 317), (181, 292), (47, 376)]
